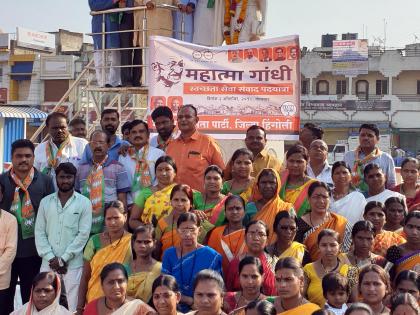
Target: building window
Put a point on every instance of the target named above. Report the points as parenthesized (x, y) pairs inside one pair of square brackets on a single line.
[(362, 89), (381, 87), (305, 87), (322, 87), (418, 87), (341, 87)]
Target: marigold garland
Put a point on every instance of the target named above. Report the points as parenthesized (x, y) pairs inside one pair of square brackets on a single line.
[(230, 11)]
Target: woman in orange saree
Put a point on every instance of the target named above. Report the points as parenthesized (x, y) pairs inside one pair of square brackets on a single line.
[(375, 213), (265, 201), (113, 245), (290, 299), (229, 240), (320, 218), (406, 256), (294, 181), (166, 232)]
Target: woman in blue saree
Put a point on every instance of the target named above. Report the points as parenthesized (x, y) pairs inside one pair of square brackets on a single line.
[(189, 258)]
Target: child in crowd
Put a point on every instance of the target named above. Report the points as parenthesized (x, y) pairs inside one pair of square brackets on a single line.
[(336, 290)]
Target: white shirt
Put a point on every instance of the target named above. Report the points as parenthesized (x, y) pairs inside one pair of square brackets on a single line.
[(72, 153), (324, 176), (383, 196), (336, 311), (130, 166)]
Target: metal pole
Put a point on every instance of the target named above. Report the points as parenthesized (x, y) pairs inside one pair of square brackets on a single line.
[(104, 62), (144, 44), (182, 27)]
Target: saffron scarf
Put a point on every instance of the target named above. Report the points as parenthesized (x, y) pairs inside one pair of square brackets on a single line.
[(94, 189), (142, 177), (54, 159), (358, 166), (23, 209)]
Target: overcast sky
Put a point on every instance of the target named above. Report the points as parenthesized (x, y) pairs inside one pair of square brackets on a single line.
[(307, 18)]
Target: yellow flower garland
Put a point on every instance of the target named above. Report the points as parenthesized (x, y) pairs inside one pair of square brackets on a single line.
[(230, 11)]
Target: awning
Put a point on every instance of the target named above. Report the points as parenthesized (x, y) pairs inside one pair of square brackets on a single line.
[(21, 112)]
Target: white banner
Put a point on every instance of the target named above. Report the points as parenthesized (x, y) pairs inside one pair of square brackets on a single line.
[(34, 39), (232, 87)]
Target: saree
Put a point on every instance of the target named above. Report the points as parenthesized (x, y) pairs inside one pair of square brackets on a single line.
[(412, 203), (229, 246), (54, 309), (133, 307), (398, 262), (295, 250), (244, 193), (119, 251), (269, 211), (334, 222), (158, 205), (307, 308), (385, 240), (314, 292), (232, 277), (298, 196), (140, 283), (215, 212), (185, 268), (168, 236)]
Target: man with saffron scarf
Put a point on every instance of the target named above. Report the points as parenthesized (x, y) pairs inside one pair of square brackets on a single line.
[(140, 159), (244, 20), (24, 187), (367, 152), (61, 147), (102, 180)]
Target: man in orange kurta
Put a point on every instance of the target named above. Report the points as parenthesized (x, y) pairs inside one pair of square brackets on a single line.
[(193, 151)]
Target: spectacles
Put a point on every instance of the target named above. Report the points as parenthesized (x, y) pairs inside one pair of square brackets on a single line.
[(187, 231), (259, 235)]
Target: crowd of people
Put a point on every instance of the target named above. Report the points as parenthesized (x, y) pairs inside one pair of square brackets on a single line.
[(208, 23), (142, 225)]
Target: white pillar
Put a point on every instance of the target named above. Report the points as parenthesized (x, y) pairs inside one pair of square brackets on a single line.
[(390, 85)]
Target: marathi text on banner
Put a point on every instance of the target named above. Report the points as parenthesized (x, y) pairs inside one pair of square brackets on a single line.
[(233, 88)]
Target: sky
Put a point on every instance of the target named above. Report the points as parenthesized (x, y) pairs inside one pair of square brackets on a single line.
[(307, 18)]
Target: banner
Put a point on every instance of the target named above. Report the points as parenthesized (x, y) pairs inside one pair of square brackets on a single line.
[(350, 57), (232, 87), (35, 40), (340, 105)]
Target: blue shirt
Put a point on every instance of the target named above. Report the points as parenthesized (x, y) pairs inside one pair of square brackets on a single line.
[(112, 151)]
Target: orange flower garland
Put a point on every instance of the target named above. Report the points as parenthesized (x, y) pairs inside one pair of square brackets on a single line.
[(230, 11)]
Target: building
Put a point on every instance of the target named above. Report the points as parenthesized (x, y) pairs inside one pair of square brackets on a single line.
[(36, 70), (388, 95)]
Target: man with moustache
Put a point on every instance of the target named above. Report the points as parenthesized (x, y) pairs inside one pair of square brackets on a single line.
[(165, 127), (62, 230), (61, 147), (102, 179), (140, 159), (78, 128), (24, 187), (193, 151), (110, 120)]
